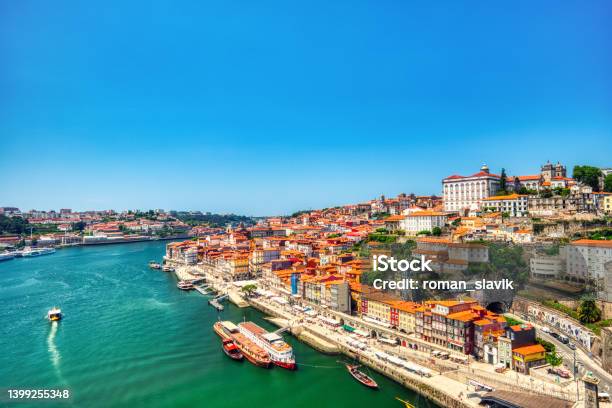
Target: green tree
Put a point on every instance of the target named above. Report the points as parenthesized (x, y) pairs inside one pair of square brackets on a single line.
[(13, 225), (436, 231), (546, 193), (608, 183), (553, 359), (79, 226), (548, 346), (249, 289), (588, 175), (588, 312), (503, 182)]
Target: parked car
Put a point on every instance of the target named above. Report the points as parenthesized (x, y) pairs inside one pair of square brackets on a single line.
[(559, 371), (563, 339), (545, 329), (572, 346), (555, 335)]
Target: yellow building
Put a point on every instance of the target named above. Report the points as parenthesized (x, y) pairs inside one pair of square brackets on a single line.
[(527, 357), (607, 204)]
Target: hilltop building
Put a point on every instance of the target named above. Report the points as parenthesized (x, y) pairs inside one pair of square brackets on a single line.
[(464, 192)]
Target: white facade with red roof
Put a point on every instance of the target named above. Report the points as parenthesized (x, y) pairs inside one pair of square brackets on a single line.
[(465, 192)]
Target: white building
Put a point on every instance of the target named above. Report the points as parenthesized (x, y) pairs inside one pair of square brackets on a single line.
[(587, 258), (463, 192), (514, 204), (546, 267), (423, 221)]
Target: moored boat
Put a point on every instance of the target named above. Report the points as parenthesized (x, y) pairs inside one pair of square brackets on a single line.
[(361, 377), (280, 352), (225, 329), (154, 265), (184, 285), (54, 314), (251, 351), (29, 252), (231, 350), (6, 256), (167, 268)]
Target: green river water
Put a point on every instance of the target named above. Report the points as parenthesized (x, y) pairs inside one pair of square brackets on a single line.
[(130, 338)]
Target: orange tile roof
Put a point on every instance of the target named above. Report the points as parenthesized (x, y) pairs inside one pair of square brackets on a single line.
[(526, 178), (593, 243), (504, 197), (464, 316), (527, 350), (426, 214)]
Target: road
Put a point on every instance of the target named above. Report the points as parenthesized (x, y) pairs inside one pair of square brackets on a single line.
[(583, 361)]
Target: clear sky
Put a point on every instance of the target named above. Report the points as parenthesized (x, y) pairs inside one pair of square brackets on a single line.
[(269, 107)]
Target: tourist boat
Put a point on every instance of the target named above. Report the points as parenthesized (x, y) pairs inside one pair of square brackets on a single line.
[(29, 252), (154, 265), (251, 351), (280, 352), (167, 268), (361, 377), (225, 329), (231, 350), (54, 314), (6, 256), (184, 285)]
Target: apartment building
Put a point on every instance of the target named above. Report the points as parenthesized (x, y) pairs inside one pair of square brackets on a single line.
[(328, 291), (423, 221), (448, 256), (516, 205), (546, 267), (259, 257)]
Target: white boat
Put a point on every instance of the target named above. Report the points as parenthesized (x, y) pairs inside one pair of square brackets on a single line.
[(6, 256), (280, 352), (54, 314), (29, 252)]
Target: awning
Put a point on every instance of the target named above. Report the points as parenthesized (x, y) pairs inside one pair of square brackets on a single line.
[(348, 328)]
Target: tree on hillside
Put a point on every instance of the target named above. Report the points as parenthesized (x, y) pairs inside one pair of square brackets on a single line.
[(608, 183), (503, 181), (79, 226), (13, 225), (588, 175), (588, 312)]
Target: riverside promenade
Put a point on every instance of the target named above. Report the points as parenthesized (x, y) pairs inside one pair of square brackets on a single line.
[(442, 390)]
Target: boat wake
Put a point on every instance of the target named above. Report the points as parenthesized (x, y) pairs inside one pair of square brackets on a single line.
[(54, 352)]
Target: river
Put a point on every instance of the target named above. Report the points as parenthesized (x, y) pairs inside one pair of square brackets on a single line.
[(131, 338)]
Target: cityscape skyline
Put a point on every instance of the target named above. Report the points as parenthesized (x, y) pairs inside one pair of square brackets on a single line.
[(261, 111), (205, 209)]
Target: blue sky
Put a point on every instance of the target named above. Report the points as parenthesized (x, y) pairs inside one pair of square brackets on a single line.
[(274, 106)]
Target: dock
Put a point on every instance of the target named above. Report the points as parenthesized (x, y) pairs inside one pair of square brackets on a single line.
[(214, 303)]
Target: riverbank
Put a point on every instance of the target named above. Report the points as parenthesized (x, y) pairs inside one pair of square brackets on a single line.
[(439, 389)]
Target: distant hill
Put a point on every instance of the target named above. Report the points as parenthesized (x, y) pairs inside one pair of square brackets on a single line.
[(213, 220)]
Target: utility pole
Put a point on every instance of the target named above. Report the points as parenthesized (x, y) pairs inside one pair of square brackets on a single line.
[(576, 378)]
